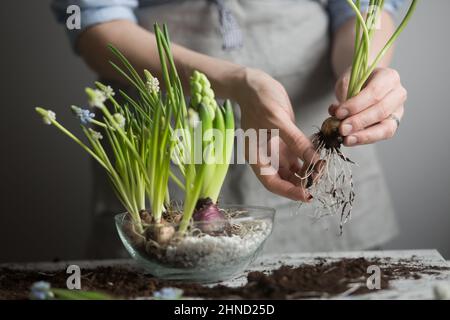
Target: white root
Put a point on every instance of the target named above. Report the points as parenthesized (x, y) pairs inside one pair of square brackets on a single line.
[(332, 188)]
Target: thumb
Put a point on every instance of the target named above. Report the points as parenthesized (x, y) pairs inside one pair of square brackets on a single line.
[(341, 87)]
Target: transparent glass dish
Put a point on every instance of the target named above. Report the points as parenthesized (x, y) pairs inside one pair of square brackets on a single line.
[(208, 258)]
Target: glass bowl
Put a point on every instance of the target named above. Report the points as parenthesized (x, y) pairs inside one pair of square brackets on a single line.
[(207, 258)]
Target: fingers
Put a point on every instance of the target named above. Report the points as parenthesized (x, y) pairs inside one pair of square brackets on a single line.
[(379, 85), (279, 176), (298, 143), (290, 188), (380, 111), (332, 109), (381, 131)]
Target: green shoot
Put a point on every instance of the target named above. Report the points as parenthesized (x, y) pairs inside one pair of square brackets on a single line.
[(362, 68)]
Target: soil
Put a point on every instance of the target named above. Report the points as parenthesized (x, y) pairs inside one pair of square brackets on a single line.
[(321, 279)]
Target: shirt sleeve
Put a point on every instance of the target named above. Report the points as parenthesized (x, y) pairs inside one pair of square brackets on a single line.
[(340, 11), (93, 12)]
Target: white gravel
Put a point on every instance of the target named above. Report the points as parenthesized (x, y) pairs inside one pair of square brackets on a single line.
[(207, 252)]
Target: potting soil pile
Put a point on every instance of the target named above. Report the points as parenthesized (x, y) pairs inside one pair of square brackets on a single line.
[(324, 278)]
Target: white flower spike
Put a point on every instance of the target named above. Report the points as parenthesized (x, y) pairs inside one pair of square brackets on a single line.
[(96, 98), (95, 134), (153, 85), (108, 91), (49, 117), (119, 119)]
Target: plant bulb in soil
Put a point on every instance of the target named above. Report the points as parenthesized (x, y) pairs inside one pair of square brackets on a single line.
[(162, 233), (211, 219)]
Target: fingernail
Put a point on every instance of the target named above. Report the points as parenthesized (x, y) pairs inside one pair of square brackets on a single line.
[(341, 113), (346, 129), (351, 140)]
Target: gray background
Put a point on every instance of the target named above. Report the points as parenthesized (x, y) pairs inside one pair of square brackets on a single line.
[(46, 181)]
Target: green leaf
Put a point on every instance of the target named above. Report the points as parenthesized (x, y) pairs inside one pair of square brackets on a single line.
[(64, 294)]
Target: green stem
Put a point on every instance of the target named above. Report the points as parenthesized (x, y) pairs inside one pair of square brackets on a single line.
[(74, 138), (389, 44), (360, 18), (356, 51)]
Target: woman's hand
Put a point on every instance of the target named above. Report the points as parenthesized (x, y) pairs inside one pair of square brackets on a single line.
[(265, 104), (374, 113)]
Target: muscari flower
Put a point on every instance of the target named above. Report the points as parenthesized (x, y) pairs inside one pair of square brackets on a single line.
[(108, 91), (119, 119), (168, 293), (41, 291), (96, 97), (152, 83), (49, 117), (95, 134), (84, 115)]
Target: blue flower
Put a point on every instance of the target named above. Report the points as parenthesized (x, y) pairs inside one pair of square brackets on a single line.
[(41, 286), (85, 115), (168, 294), (41, 291)]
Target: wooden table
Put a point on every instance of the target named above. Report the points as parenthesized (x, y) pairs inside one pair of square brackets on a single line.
[(421, 288)]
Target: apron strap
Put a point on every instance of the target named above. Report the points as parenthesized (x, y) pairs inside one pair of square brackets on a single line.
[(229, 27)]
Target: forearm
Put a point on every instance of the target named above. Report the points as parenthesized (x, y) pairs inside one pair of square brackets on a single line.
[(139, 46), (344, 39)]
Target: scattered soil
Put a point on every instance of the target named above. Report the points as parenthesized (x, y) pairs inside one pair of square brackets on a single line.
[(321, 279)]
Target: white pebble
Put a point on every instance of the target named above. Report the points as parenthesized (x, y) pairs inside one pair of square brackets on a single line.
[(209, 251)]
